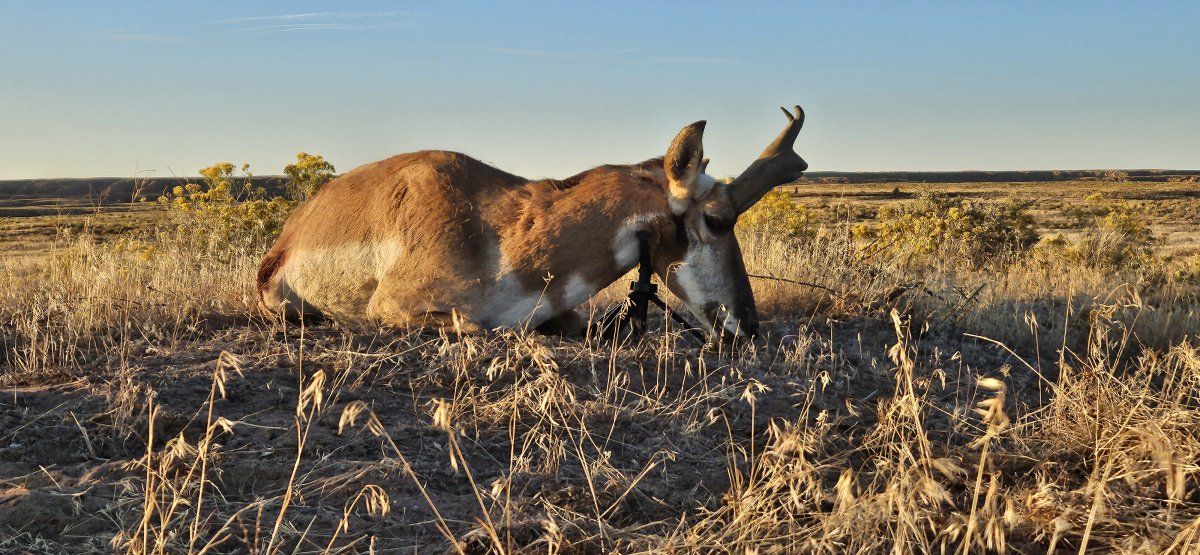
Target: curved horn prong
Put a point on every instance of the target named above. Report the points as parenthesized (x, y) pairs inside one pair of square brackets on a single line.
[(787, 138), (776, 165)]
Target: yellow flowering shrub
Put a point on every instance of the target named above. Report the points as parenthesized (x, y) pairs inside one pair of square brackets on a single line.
[(307, 175), (226, 210), (777, 215), (941, 225), (1119, 238), (1124, 219), (1188, 270)]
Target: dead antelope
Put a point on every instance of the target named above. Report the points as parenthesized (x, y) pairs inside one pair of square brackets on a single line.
[(420, 237)]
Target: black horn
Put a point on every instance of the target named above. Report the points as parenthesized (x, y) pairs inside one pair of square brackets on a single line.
[(778, 164)]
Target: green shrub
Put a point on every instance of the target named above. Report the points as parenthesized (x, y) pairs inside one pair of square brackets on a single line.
[(938, 225)]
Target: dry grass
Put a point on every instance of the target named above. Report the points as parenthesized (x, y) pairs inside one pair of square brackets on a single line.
[(1031, 407)]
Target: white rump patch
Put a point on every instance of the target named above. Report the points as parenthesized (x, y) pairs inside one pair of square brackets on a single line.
[(339, 280), (387, 254)]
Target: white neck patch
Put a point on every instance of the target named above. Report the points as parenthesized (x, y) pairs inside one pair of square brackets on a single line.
[(625, 243)]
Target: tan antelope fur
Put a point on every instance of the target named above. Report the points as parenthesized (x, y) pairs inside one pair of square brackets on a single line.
[(438, 238)]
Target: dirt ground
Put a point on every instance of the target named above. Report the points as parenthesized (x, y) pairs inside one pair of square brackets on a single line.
[(71, 445)]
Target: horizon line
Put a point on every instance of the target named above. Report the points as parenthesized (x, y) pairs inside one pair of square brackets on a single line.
[(1167, 171)]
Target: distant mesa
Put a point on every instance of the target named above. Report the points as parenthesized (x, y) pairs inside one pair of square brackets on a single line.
[(106, 190)]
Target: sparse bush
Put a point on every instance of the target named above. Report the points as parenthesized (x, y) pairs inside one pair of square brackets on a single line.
[(1188, 271), (777, 215), (226, 211), (1084, 215), (943, 226), (1119, 238), (1124, 219), (307, 175)]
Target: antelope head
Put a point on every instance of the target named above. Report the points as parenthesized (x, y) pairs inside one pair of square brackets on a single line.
[(699, 257)]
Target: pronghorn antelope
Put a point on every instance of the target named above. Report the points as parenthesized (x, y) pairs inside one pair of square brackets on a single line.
[(437, 238)]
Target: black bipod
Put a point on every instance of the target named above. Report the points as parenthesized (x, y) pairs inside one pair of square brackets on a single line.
[(628, 321)]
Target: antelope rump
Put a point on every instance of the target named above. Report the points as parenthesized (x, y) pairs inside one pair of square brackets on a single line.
[(437, 238)]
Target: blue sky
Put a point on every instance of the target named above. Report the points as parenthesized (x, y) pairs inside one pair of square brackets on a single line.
[(547, 89)]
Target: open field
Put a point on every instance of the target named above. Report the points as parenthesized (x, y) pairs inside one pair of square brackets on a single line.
[(1171, 208), (32, 212), (1031, 404)]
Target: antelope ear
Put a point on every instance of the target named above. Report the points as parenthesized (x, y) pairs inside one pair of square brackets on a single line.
[(683, 165)]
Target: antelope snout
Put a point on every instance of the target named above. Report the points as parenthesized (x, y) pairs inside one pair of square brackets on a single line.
[(731, 324)]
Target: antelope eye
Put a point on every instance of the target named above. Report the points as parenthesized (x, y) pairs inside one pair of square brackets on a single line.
[(720, 226)]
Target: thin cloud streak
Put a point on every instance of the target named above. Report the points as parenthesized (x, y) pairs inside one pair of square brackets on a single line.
[(283, 17), (692, 60), (286, 27), (289, 23), (315, 21)]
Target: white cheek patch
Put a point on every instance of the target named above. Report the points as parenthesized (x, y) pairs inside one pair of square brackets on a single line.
[(703, 283), (687, 278)]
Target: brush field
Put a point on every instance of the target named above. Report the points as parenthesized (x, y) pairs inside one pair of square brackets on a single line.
[(901, 399)]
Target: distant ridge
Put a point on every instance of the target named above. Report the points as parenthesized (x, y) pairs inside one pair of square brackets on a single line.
[(122, 189), (111, 189)]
